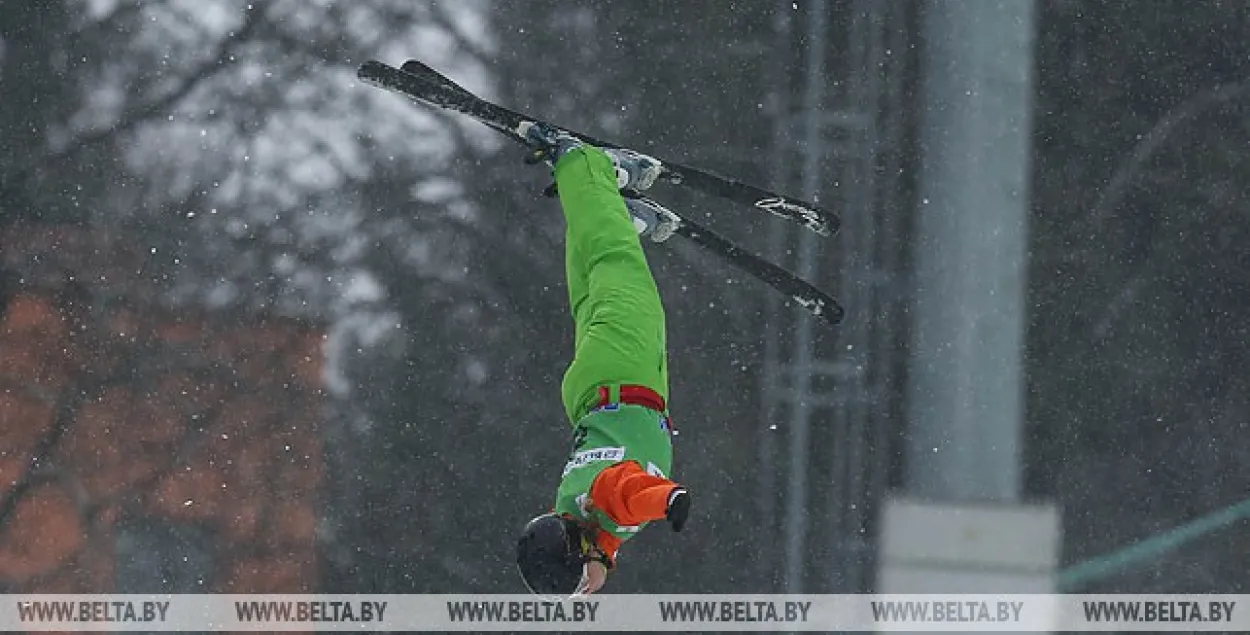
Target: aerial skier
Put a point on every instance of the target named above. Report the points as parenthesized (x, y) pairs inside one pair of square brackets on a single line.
[(615, 391), (616, 478)]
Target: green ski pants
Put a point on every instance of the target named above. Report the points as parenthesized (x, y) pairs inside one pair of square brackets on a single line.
[(620, 334)]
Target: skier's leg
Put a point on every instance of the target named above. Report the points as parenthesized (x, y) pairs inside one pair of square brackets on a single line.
[(620, 332)]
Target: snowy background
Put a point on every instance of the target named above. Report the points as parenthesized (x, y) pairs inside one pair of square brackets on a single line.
[(230, 142)]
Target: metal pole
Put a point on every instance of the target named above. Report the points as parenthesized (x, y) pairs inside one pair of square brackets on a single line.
[(773, 382), (883, 353), (859, 283), (967, 381), (799, 450)]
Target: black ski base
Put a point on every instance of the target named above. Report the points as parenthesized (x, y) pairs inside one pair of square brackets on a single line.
[(423, 84)]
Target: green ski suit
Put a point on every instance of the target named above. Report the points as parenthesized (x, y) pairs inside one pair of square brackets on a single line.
[(620, 339)]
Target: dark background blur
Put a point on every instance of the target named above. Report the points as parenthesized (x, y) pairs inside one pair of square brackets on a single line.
[(228, 144)]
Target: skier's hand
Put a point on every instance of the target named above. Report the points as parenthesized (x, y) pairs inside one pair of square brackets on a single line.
[(596, 576), (678, 508)]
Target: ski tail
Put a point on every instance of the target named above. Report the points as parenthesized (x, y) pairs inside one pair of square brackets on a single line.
[(421, 69)]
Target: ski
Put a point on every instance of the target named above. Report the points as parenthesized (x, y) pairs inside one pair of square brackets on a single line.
[(445, 91), (418, 80), (819, 303)]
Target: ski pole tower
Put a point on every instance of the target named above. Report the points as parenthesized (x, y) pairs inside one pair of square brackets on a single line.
[(827, 393)]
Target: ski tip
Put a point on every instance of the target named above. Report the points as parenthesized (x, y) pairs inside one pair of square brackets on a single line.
[(832, 224), (825, 308), (834, 314), (821, 221)]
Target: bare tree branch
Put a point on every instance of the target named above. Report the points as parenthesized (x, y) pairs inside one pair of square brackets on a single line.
[(11, 384), (113, 21), (65, 416), (1126, 171), (91, 510), (155, 107), (440, 17), (78, 392)]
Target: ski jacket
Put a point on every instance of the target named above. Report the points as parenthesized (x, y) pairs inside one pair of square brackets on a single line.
[(615, 479)]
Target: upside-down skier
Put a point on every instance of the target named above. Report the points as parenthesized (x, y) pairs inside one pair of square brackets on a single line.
[(616, 479)]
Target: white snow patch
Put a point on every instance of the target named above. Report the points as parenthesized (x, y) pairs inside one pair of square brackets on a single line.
[(350, 333), (100, 9), (466, 19), (352, 247), (363, 287), (476, 371), (285, 264), (437, 190), (222, 294), (216, 17)]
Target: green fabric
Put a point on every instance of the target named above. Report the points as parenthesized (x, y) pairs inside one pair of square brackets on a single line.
[(619, 337), (603, 439)]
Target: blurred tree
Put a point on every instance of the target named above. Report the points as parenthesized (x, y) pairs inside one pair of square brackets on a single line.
[(230, 140), (149, 450), (1139, 277)]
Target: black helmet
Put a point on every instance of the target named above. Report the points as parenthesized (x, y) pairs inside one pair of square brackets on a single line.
[(551, 554)]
